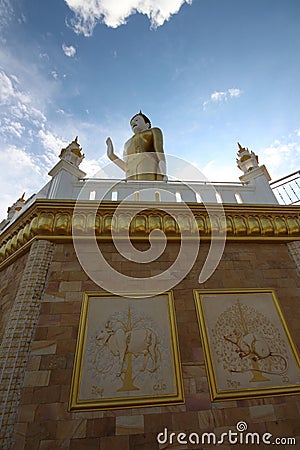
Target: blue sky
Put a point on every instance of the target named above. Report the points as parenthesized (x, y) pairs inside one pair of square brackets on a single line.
[(209, 73)]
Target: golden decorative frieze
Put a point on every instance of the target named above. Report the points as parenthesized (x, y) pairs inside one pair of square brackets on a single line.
[(53, 220)]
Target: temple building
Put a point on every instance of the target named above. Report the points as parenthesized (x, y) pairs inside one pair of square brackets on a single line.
[(149, 313)]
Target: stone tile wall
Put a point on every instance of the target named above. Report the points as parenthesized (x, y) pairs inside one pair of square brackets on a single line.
[(294, 249), (43, 421), (9, 289), (17, 337)]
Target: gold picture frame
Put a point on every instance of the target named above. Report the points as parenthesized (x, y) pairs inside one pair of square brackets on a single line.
[(248, 349), (127, 353)]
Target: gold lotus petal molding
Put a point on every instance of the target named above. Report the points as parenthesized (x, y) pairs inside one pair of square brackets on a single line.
[(53, 220)]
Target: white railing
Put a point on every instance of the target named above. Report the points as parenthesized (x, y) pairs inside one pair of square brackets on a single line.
[(167, 191), (287, 189)]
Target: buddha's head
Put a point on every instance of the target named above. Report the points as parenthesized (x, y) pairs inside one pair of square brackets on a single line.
[(139, 123)]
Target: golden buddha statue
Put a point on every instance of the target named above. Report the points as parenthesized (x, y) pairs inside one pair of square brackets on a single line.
[(143, 156)]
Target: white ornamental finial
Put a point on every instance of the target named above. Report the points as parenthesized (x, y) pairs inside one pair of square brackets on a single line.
[(72, 153), (246, 160), (17, 206)]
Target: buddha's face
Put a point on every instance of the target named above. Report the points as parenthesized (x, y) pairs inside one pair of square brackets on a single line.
[(138, 124)]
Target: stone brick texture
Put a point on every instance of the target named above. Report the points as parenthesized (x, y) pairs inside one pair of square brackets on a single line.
[(43, 419), (9, 290), (17, 337)]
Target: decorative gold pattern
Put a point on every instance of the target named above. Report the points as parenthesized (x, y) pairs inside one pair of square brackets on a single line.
[(127, 353), (249, 351), (52, 220)]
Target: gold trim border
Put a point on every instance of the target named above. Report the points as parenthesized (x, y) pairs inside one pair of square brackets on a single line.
[(212, 382), (134, 402), (52, 220)]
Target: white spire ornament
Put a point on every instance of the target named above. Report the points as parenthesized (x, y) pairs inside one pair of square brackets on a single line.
[(72, 153), (246, 160)]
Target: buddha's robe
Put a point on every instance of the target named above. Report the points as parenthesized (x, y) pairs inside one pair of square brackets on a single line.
[(142, 155)]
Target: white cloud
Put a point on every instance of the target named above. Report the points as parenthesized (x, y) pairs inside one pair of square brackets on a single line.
[(44, 56), (19, 115), (218, 96), (28, 113), (52, 145), (214, 171), (22, 19), (221, 96), (6, 13), (69, 50), (6, 89), (54, 74), (19, 102), (31, 79), (61, 111), (92, 167), (115, 12), (234, 92), (281, 158), (12, 127), (22, 172)]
